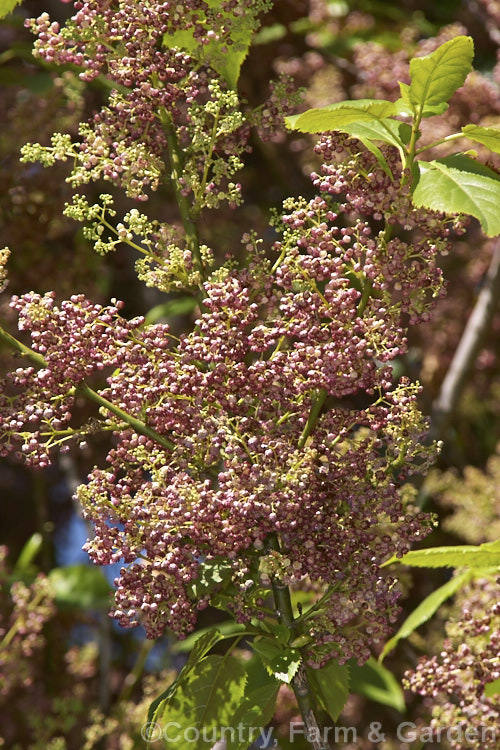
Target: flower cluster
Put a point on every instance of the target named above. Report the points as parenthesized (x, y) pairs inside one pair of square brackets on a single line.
[(457, 680), (73, 341), (4, 256), (157, 60), (235, 398), (24, 612)]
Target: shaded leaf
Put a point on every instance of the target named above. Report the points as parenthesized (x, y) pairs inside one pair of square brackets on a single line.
[(206, 699), (377, 683), (226, 630), (425, 611), (200, 649), (331, 686), (80, 587), (458, 184), (259, 702), (28, 553), (170, 309), (489, 137), (337, 116), (435, 77), (212, 575)]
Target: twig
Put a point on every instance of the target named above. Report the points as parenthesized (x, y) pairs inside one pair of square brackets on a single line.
[(477, 326), (84, 390)]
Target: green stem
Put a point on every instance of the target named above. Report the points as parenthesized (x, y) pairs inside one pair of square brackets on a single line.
[(9, 637), (182, 202), (313, 417), (299, 683), (441, 140), (85, 390)]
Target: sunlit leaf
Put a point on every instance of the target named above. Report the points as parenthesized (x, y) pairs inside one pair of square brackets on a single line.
[(436, 77), (489, 137), (7, 6), (337, 116), (467, 556), (458, 184)]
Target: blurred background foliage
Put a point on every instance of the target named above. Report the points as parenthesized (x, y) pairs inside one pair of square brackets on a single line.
[(69, 677)]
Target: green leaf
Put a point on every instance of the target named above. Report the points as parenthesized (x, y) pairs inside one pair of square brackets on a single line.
[(206, 699), (425, 611), (405, 107), (489, 137), (492, 689), (28, 554), (229, 629), (80, 587), (7, 6), (337, 116), (388, 131), (467, 556), (435, 77), (200, 649), (171, 309), (258, 705), (331, 686), (376, 683), (282, 662), (458, 184), (393, 132), (213, 575), (228, 63)]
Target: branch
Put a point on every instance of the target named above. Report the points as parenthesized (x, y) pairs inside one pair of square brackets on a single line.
[(470, 344), (85, 390), (182, 202), (299, 683)]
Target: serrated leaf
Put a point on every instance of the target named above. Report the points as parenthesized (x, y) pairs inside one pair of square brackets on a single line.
[(212, 575), (282, 662), (436, 77), (285, 666), (80, 587), (425, 611), (492, 689), (337, 116), (393, 132), (331, 686), (279, 631), (258, 705), (389, 131), (206, 701), (377, 683), (489, 137), (467, 556), (458, 184), (7, 6), (228, 63), (200, 649)]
